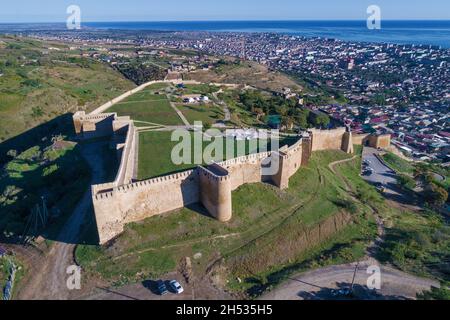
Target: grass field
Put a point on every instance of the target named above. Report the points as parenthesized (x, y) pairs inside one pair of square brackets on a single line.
[(148, 107), (206, 113), (155, 149), (265, 221)]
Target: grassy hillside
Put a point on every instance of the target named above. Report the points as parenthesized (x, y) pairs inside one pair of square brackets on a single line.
[(41, 80), (245, 73), (398, 164)]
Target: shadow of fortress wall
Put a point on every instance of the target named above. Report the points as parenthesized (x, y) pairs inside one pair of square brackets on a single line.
[(41, 134), (123, 201)]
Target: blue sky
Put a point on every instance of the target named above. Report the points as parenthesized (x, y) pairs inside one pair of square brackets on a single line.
[(169, 10)]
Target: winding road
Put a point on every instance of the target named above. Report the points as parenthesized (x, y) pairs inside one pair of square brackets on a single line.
[(318, 284)]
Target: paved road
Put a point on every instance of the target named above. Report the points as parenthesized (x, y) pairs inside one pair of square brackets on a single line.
[(318, 284), (386, 176), (381, 173)]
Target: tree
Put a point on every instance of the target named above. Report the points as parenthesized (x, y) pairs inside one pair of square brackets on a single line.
[(287, 123), (259, 113), (435, 195), (319, 119), (406, 181), (301, 117)]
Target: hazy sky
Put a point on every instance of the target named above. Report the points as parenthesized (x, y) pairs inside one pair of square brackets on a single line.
[(163, 10)]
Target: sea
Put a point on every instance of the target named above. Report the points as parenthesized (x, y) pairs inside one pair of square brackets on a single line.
[(413, 32), (417, 32)]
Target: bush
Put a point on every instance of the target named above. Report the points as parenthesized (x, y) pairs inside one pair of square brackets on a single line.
[(436, 195), (406, 181), (442, 293), (347, 205)]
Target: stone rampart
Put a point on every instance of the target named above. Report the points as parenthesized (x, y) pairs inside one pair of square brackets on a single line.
[(123, 201)]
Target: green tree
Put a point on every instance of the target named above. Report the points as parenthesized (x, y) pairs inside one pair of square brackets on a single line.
[(301, 117), (406, 181), (319, 120)]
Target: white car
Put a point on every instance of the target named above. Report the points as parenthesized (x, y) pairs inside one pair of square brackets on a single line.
[(176, 287)]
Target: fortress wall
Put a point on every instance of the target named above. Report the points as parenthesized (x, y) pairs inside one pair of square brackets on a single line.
[(281, 178), (373, 140), (247, 169), (295, 158), (93, 126), (121, 123), (215, 193), (78, 122), (122, 202), (306, 150), (140, 200), (327, 139), (380, 141), (360, 139), (126, 170), (347, 142), (109, 104)]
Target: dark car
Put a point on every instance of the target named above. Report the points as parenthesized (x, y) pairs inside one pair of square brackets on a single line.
[(161, 288)]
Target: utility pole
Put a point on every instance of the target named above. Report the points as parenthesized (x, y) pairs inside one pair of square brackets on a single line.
[(38, 219), (354, 277)]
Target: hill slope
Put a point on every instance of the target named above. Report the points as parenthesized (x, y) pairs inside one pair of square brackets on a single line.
[(41, 80)]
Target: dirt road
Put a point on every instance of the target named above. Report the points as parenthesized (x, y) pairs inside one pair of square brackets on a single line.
[(318, 284), (49, 280)]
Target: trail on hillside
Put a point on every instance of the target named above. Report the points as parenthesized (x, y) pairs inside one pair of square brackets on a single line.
[(374, 245)]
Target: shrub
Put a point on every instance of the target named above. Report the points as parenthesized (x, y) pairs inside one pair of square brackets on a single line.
[(406, 181), (436, 195)]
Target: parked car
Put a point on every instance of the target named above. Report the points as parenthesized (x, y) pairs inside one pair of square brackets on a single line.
[(176, 287), (346, 292), (161, 288), (380, 187)]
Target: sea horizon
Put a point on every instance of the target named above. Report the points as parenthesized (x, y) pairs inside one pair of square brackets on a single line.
[(402, 32)]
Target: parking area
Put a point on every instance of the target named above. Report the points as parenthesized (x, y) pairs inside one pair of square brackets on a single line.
[(147, 290), (384, 179), (377, 173)]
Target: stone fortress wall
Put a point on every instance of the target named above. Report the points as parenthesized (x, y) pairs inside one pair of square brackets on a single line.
[(124, 200), (373, 140)]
